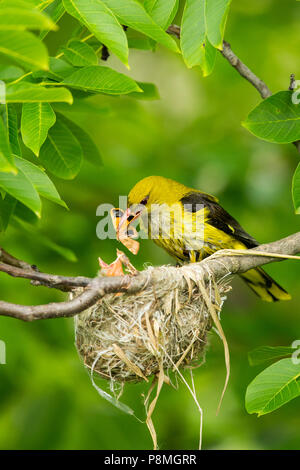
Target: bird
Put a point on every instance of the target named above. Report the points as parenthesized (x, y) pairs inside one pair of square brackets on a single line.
[(191, 225)]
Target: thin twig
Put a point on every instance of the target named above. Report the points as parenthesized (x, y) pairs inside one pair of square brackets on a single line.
[(236, 63), (63, 283), (243, 70), (18, 268), (9, 259)]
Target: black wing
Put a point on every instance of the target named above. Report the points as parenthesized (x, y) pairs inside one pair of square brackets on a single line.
[(218, 217)]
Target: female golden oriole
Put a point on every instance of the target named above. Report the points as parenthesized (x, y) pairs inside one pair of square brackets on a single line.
[(190, 225)]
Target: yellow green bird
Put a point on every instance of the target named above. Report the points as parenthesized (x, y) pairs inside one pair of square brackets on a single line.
[(191, 225)]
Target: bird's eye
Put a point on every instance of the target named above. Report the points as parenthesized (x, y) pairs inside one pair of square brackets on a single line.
[(144, 201)]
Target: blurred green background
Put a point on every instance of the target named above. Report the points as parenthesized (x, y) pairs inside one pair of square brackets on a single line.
[(193, 134)]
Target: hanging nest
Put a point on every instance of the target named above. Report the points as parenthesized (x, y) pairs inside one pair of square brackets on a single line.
[(129, 338)]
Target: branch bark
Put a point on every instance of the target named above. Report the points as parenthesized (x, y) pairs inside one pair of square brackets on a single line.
[(244, 71), (220, 264), (19, 268), (63, 283)]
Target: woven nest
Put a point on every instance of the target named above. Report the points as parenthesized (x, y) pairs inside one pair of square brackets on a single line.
[(127, 338)]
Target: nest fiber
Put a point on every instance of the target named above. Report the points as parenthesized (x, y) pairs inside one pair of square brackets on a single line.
[(132, 337)]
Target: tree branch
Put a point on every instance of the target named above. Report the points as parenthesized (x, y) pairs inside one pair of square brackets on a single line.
[(242, 69), (220, 264), (18, 268), (63, 283), (11, 260)]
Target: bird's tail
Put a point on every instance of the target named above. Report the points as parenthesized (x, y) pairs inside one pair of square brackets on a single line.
[(264, 286)]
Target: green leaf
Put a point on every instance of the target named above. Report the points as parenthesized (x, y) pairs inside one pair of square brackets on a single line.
[(13, 18), (296, 189), (100, 20), (193, 32), (79, 30), (150, 92), (11, 122), (216, 13), (24, 4), (59, 68), (89, 149), (80, 54), (131, 13), (61, 153), (209, 58), (40, 181), (102, 80), (267, 353), (30, 93), (7, 207), (276, 119), (22, 212), (273, 387), (6, 158), (37, 118), (162, 11), (55, 11), (19, 186), (25, 48), (196, 48), (10, 72)]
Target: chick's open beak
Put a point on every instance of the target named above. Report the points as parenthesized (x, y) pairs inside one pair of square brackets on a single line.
[(123, 219), (127, 218)]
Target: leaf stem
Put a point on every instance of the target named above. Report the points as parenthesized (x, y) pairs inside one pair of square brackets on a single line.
[(20, 78), (82, 40)]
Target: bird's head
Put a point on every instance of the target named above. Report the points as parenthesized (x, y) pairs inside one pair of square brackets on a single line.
[(150, 192), (156, 190)]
